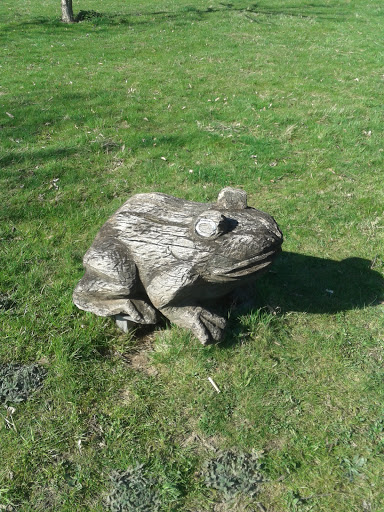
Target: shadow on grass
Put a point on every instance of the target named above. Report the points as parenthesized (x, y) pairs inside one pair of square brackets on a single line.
[(316, 285), (40, 156), (310, 10), (307, 284)]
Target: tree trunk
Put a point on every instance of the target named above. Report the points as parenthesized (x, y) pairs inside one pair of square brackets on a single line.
[(67, 11)]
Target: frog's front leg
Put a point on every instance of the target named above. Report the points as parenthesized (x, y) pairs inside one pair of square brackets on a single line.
[(175, 293)]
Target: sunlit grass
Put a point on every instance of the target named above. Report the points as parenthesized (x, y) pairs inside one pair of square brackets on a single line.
[(282, 99)]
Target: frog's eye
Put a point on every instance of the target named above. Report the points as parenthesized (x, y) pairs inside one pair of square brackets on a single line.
[(210, 224), (206, 228)]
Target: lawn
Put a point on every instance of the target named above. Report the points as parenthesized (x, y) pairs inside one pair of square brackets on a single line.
[(282, 98)]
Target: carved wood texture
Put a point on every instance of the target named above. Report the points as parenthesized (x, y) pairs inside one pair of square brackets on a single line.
[(159, 253)]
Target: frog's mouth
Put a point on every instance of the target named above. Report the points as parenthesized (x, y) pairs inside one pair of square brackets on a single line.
[(249, 266)]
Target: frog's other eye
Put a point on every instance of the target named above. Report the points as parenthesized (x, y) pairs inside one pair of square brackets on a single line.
[(211, 224)]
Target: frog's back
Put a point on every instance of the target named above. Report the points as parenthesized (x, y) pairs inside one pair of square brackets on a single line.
[(160, 209)]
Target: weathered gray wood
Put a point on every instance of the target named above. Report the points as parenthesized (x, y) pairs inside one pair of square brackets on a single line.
[(158, 253)]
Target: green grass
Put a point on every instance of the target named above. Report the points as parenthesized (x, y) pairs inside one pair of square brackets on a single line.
[(281, 98)]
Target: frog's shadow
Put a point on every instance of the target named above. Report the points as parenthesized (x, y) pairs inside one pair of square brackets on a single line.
[(301, 283)]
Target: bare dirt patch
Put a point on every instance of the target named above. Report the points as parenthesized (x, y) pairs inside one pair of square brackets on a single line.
[(139, 357), (198, 442)]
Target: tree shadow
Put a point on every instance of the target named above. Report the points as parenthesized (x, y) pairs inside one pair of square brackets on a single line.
[(143, 17), (40, 156), (310, 10), (87, 15)]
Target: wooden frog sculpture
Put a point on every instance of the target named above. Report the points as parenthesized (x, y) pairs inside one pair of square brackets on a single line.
[(161, 253)]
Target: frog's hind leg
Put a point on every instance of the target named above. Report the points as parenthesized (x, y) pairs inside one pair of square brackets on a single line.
[(110, 285)]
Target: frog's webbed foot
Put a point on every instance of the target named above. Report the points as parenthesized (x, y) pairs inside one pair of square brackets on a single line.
[(206, 326), (211, 327)]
